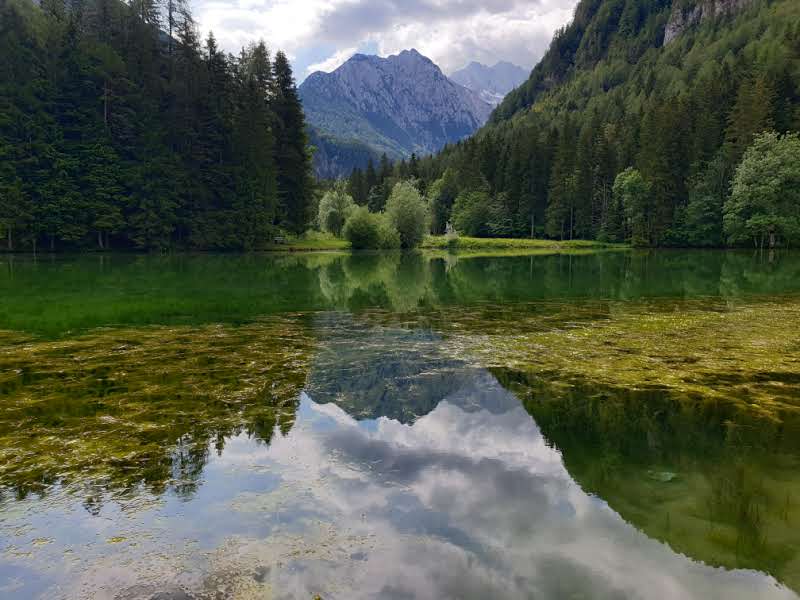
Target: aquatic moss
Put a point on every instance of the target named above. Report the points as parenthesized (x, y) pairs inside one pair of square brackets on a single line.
[(747, 353), (118, 408)]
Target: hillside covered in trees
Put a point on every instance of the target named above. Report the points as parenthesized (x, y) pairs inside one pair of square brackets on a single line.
[(620, 136), (119, 128)]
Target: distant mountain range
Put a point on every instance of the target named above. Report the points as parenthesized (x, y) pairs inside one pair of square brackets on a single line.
[(491, 83), (398, 105)]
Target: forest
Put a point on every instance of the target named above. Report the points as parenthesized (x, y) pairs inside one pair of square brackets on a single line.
[(121, 129), (620, 138)]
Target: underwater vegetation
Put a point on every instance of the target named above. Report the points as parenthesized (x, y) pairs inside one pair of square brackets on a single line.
[(114, 409)]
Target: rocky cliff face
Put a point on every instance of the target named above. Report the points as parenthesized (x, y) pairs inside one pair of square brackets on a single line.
[(397, 105), (490, 83), (688, 14)]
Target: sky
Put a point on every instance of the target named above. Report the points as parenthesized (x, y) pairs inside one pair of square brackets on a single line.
[(319, 35)]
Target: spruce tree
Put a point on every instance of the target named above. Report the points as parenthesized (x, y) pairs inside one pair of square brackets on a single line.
[(291, 151)]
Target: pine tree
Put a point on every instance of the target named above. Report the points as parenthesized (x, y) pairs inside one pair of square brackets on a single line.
[(291, 152), (752, 113)]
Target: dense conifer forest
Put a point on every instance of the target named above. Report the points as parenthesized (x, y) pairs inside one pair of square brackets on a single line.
[(618, 136), (119, 128)]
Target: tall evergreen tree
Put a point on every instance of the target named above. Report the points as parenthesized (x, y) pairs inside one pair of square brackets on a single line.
[(291, 152)]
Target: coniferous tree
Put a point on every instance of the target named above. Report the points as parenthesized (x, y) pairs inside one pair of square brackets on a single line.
[(291, 152), (113, 134)]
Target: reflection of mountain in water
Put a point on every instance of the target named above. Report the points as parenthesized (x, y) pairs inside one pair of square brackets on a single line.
[(715, 482), (401, 374)]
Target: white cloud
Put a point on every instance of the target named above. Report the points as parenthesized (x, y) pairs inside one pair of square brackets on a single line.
[(450, 32), (332, 63)]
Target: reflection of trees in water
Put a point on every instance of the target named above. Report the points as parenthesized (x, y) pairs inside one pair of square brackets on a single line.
[(398, 281), (715, 481), (88, 292), (122, 410), (406, 282)]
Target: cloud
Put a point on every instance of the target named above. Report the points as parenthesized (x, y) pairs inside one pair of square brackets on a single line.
[(321, 34), (333, 62)]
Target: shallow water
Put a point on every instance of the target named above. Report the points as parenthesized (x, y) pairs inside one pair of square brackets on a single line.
[(611, 425)]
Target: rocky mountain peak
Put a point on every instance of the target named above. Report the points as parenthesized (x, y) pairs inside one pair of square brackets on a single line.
[(401, 104), (686, 14), (491, 83)]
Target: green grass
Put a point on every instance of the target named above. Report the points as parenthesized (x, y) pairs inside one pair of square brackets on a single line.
[(314, 241), (311, 241), (469, 243)]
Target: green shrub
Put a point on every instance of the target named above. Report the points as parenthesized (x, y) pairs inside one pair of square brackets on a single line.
[(369, 231), (408, 213), (389, 238), (334, 209)]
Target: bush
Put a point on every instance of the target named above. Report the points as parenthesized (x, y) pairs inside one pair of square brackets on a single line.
[(334, 209), (369, 231), (408, 213), (389, 238)]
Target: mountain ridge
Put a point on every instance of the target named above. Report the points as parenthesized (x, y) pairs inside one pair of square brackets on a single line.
[(399, 105), (491, 83)]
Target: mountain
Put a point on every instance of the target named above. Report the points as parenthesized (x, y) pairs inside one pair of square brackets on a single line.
[(491, 83), (633, 127), (398, 105)]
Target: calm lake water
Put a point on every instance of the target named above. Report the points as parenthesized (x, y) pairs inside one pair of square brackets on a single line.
[(610, 425)]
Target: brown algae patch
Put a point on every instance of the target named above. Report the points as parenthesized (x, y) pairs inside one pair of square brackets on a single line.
[(748, 354), (116, 408)]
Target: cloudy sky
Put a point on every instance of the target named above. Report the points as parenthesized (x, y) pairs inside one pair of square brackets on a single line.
[(322, 34)]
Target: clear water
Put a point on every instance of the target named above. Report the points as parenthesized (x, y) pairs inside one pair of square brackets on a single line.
[(613, 425)]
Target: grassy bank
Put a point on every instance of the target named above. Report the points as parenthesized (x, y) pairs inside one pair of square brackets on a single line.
[(440, 242), (316, 242), (311, 241)]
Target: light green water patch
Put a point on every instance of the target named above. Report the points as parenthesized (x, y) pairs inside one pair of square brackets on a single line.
[(63, 296), (119, 408)]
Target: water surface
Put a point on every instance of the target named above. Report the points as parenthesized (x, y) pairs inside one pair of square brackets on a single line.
[(611, 425)]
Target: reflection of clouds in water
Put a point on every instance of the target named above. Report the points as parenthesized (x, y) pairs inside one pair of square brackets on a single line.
[(468, 505), (463, 503)]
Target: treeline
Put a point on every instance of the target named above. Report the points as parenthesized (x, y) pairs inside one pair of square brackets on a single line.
[(119, 128), (669, 126)]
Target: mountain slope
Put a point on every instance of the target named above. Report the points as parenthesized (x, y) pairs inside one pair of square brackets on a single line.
[(491, 83), (398, 105), (675, 90)]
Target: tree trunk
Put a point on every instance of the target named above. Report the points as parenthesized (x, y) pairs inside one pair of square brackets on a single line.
[(100, 239), (9, 240)]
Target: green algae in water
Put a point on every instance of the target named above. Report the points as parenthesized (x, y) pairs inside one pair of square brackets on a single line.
[(120, 408)]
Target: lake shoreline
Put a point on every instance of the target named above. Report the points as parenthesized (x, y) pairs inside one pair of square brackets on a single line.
[(330, 244)]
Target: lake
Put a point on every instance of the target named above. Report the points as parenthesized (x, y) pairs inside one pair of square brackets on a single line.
[(616, 424)]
